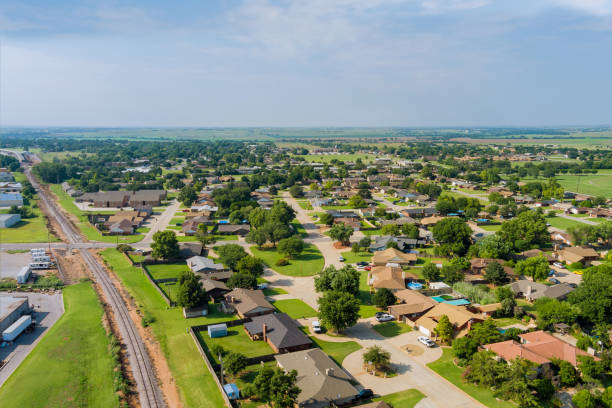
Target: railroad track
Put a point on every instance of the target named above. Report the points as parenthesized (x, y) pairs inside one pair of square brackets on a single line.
[(149, 392)]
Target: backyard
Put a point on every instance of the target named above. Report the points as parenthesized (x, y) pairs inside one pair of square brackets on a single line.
[(236, 341), (194, 381), (308, 263), (76, 352)]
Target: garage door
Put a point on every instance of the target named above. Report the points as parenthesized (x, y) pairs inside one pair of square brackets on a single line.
[(424, 330)]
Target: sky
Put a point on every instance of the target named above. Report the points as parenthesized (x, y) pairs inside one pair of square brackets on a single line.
[(226, 63)]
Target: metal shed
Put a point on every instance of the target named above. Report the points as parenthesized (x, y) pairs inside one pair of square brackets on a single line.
[(217, 330)]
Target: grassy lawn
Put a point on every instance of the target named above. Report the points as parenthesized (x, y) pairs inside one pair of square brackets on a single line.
[(305, 204), (308, 263), (366, 309), (391, 329), (299, 228), (28, 230), (236, 341), (336, 350), (563, 223), (269, 291), (90, 232), (370, 232), (195, 383), (75, 352), (164, 271), (445, 367), (295, 308), (489, 227), (592, 184), (403, 399), (351, 257)]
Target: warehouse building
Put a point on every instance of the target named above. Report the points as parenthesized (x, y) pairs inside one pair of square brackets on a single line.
[(8, 220), (11, 309)]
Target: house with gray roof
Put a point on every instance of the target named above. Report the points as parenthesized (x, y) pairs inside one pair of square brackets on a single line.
[(534, 290), (201, 264), (280, 331), (322, 382)]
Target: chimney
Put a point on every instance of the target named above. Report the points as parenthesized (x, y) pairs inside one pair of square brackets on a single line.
[(329, 372), (265, 332)]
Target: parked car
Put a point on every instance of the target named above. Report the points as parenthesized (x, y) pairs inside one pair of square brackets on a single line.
[(262, 286), (366, 393), (368, 268), (316, 327), (385, 317), (554, 280), (341, 258), (426, 341), (551, 272), (559, 265), (378, 314), (362, 263)]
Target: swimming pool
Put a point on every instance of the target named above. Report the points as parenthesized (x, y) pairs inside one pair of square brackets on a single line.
[(414, 285)]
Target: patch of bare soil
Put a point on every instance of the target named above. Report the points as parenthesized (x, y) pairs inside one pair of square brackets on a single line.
[(70, 266), (162, 371), (413, 350), (338, 245)]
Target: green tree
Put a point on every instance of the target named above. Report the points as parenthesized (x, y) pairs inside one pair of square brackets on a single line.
[(551, 311), (345, 279), (296, 191), (526, 231), (378, 357), (390, 229), (485, 332), (338, 310), (594, 294), (464, 348), (606, 397), (242, 280), (190, 293), (187, 195), (284, 391), (503, 292), (383, 298), (250, 265), (536, 267), (484, 370), (444, 329), (493, 246), (230, 254), (203, 236), (341, 233), (451, 274), (257, 236), (496, 274), (453, 235), (292, 246), (165, 245), (431, 272), (584, 399), (234, 363), (261, 387), (357, 201), (326, 218), (591, 370), (567, 373)]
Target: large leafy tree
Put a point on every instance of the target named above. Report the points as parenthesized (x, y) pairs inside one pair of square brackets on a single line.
[(241, 280), (377, 356), (250, 265), (234, 363), (431, 272), (338, 310), (528, 230), (551, 311), (190, 293), (494, 246), (292, 246), (284, 389), (187, 195), (536, 267), (496, 274), (383, 298), (165, 245), (594, 294), (341, 233), (345, 279), (444, 329), (230, 254), (453, 235)]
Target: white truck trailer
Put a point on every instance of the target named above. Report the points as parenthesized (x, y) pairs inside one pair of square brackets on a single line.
[(17, 328)]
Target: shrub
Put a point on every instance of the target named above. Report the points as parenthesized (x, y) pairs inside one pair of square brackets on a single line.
[(123, 248), (147, 319), (282, 262)]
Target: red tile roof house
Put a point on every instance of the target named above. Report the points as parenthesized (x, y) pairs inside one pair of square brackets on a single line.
[(538, 347)]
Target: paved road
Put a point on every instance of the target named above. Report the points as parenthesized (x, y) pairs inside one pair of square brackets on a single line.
[(149, 392), (569, 217), (58, 245), (47, 310), (412, 370), (160, 224)]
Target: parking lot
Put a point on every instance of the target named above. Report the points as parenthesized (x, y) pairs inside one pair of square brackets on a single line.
[(11, 264), (47, 310)]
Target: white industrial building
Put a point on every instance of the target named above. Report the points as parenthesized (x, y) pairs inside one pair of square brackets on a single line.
[(10, 199), (11, 309), (8, 220)]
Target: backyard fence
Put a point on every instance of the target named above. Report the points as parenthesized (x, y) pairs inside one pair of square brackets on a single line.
[(152, 280)]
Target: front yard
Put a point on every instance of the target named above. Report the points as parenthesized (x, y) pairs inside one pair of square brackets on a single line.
[(295, 308), (391, 329), (310, 262)]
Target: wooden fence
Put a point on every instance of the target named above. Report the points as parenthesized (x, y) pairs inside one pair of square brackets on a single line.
[(153, 282)]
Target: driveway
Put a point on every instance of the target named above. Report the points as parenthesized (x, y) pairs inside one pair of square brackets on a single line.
[(412, 370), (47, 310), (159, 223)]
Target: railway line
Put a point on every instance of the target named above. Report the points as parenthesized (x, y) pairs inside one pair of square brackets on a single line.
[(149, 392)]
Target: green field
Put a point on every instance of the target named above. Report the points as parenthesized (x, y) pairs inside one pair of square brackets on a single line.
[(446, 368), (28, 230), (403, 399), (336, 350), (295, 308), (72, 365), (366, 158), (599, 184), (308, 263), (90, 232), (563, 223), (195, 383), (391, 329)]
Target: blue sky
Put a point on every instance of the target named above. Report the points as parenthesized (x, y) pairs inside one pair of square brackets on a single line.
[(306, 63)]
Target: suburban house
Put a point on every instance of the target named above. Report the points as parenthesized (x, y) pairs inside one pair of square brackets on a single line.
[(278, 330), (349, 222), (122, 227), (431, 221), (119, 199), (419, 212), (538, 347), (321, 381), (393, 256), (389, 277), (201, 264), (215, 289), (233, 229), (583, 255), (478, 268), (399, 221), (532, 253), (413, 304), (190, 249), (461, 319), (190, 226), (10, 187), (248, 303), (403, 244), (535, 290)]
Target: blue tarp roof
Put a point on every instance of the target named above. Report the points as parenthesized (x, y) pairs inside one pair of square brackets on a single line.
[(232, 391)]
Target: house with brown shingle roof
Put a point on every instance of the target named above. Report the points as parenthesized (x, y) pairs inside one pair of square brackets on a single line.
[(413, 304), (394, 256), (389, 277), (459, 316), (583, 255), (248, 303), (538, 347)]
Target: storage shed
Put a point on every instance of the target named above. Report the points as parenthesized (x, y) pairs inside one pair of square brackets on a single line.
[(232, 391), (217, 330)]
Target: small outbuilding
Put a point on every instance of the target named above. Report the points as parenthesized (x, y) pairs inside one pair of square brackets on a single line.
[(232, 391), (217, 330)]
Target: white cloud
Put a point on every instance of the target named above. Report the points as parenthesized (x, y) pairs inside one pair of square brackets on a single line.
[(595, 7)]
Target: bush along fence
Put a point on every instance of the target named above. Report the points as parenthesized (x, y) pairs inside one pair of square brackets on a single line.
[(151, 279)]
